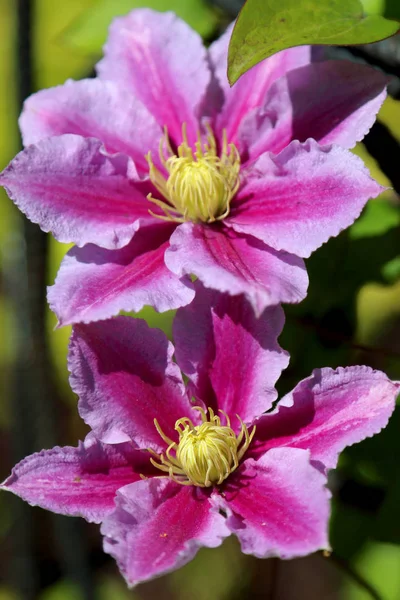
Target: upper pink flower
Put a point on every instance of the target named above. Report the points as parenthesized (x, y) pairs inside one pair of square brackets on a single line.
[(112, 165), (216, 475)]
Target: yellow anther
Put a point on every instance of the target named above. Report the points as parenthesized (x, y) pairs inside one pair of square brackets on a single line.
[(200, 183), (206, 454)]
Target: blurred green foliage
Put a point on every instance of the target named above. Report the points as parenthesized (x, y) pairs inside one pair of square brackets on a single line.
[(379, 565), (351, 315), (88, 33)]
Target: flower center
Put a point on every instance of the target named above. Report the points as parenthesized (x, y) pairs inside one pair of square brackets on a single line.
[(206, 454), (200, 184)]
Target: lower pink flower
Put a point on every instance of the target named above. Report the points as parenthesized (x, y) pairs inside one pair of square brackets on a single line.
[(165, 474)]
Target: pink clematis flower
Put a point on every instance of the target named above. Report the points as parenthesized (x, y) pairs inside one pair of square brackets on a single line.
[(158, 170), (213, 466)]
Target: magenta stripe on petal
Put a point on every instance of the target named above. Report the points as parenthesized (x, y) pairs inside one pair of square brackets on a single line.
[(159, 526), (297, 200), (328, 411), (93, 108), (124, 376), (232, 358), (335, 101), (249, 92), (70, 186), (331, 102), (237, 264), (279, 505), (79, 481), (159, 59), (94, 283)]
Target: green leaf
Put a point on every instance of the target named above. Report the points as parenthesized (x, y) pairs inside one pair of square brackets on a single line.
[(264, 28), (89, 32), (378, 565), (374, 7), (391, 271)]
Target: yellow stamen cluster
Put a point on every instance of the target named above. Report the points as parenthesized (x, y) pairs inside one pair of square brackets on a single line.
[(206, 454), (200, 184)]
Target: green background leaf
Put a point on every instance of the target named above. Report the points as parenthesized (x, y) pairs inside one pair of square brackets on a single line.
[(266, 27)]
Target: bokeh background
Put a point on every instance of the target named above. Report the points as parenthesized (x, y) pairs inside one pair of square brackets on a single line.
[(351, 315)]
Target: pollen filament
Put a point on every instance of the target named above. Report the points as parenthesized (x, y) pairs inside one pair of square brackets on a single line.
[(200, 183), (206, 454)]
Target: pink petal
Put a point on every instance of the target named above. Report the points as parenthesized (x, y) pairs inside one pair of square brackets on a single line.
[(299, 199), (159, 59), (331, 102), (249, 92), (229, 262), (329, 411), (159, 526), (71, 187), (280, 505), (93, 108), (267, 128), (94, 283), (78, 482), (232, 358), (335, 101), (124, 376)]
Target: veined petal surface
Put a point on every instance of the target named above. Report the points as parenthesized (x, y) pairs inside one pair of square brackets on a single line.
[(158, 58), (159, 526), (279, 505), (78, 482), (333, 102), (124, 376), (238, 264), (94, 283), (250, 90), (297, 200), (232, 358), (72, 188), (93, 108), (328, 411)]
